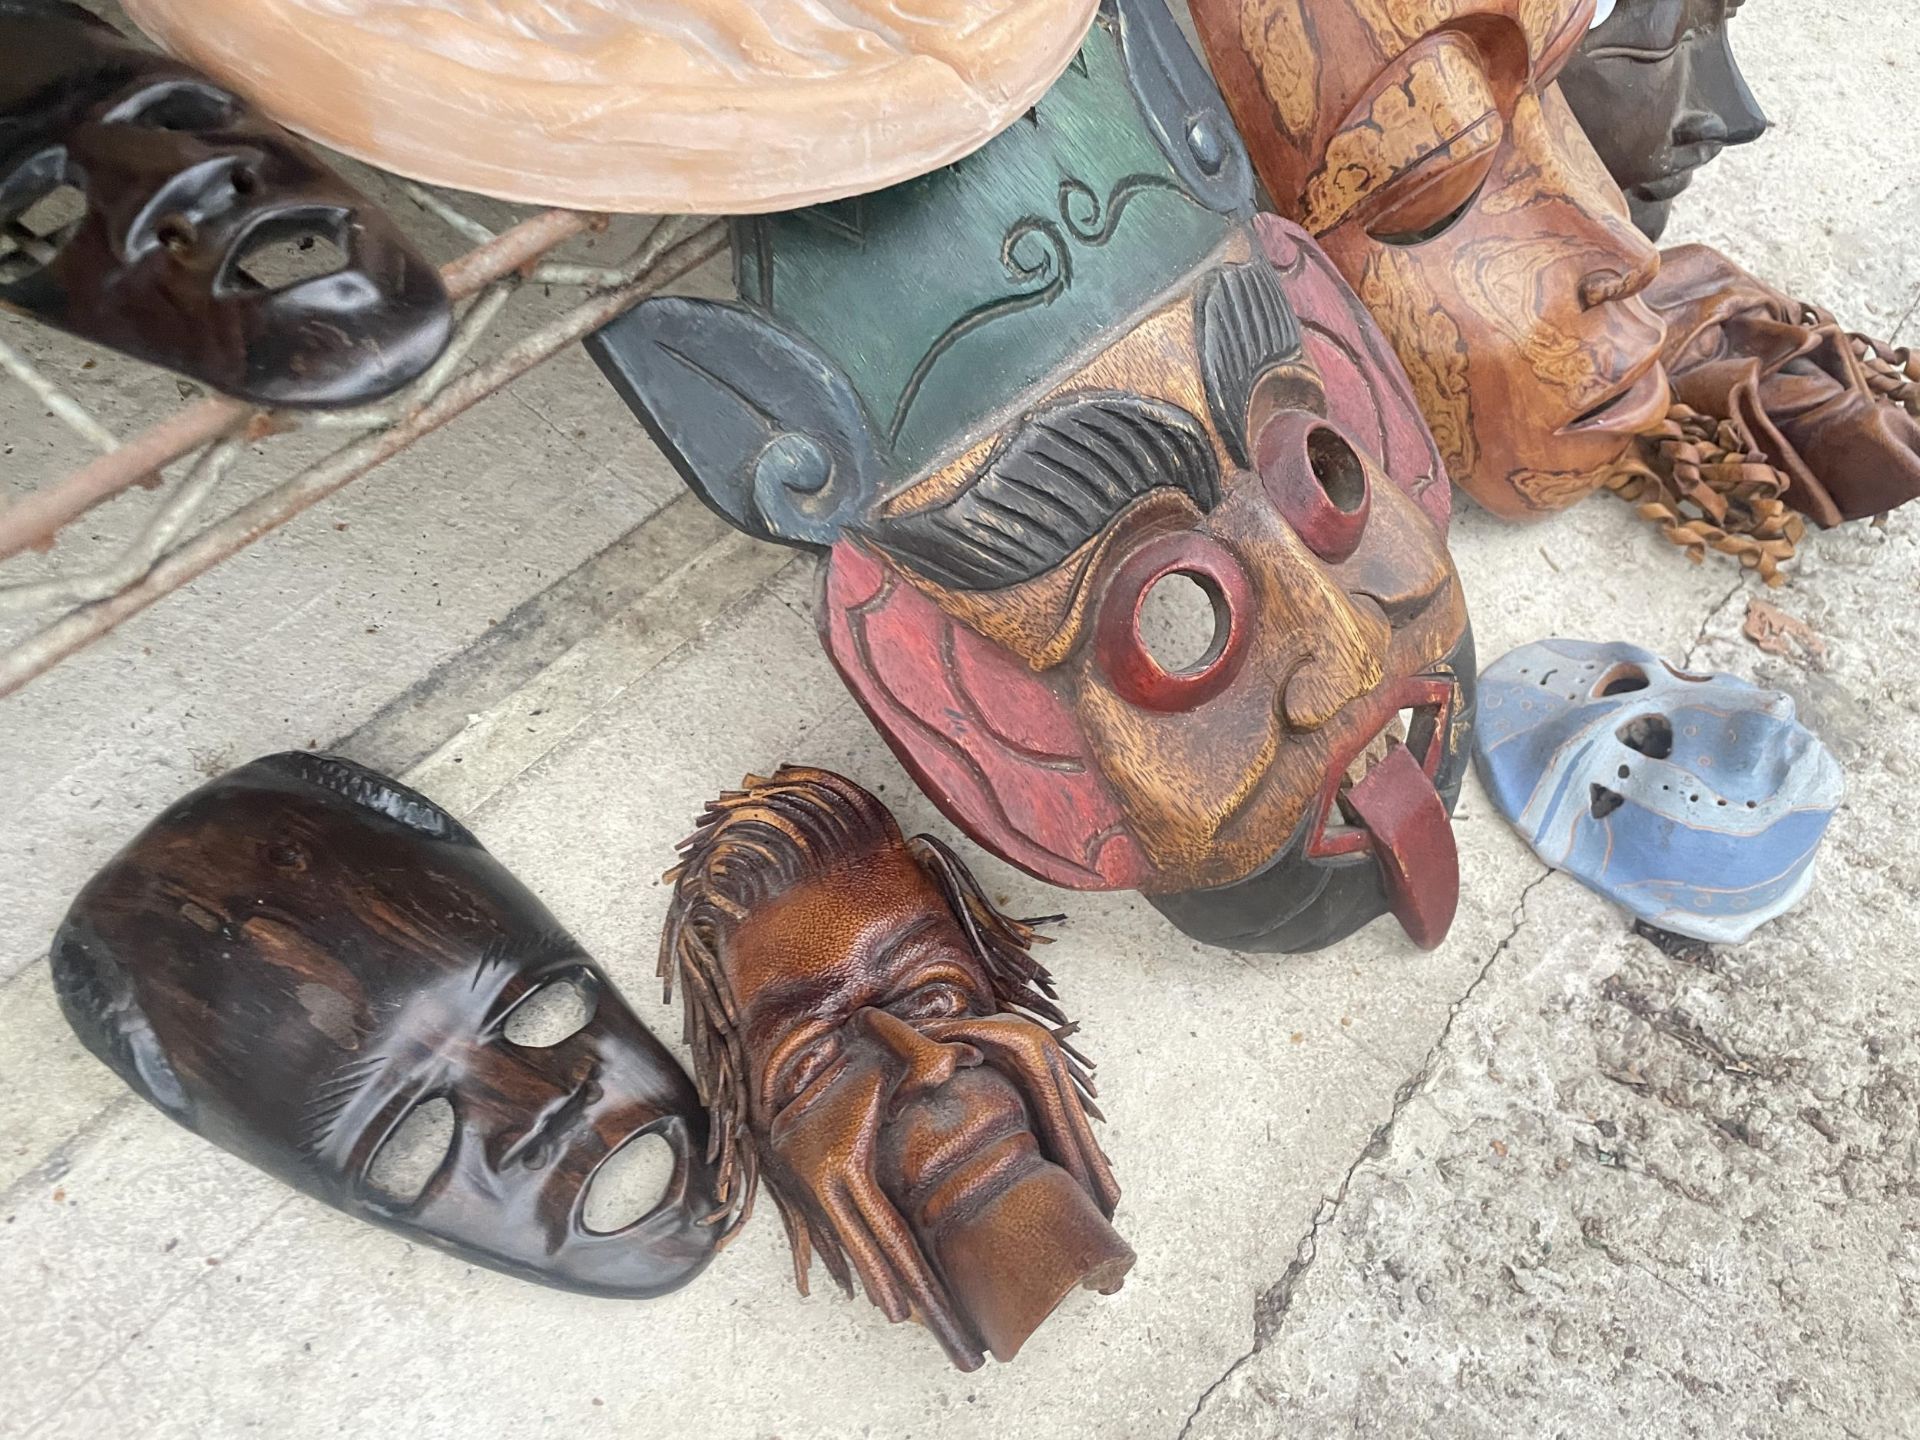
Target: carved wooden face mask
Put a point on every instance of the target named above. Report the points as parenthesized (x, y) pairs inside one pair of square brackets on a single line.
[(1094, 371), (1425, 144), (1656, 88), (172, 189), (876, 1041), (294, 959)]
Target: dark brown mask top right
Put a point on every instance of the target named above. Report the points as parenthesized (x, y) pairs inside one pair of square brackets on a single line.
[(1657, 89)]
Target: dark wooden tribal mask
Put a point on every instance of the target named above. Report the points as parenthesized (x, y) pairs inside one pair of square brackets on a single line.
[(1657, 89), (1426, 146), (878, 1044), (1009, 400), (135, 196), (296, 958)]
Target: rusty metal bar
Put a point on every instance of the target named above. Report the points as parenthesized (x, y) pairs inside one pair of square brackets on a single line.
[(225, 538), (33, 520)]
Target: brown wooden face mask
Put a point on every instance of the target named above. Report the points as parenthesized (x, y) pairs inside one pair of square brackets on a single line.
[(181, 188), (877, 1042), (1656, 88), (295, 958), (1425, 144)]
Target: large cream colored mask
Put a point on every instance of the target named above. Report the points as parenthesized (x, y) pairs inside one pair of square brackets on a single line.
[(1425, 144), (711, 106)]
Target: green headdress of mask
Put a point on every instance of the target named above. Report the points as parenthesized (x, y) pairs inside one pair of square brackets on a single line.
[(883, 334)]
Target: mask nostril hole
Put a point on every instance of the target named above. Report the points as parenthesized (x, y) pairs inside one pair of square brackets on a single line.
[(1651, 735), (1622, 680), (1338, 470), (1183, 623), (1605, 801), (552, 1013), (409, 1158), (629, 1184)]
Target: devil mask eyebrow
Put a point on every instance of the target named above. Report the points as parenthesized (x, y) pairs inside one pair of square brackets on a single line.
[(1246, 327), (1053, 485)]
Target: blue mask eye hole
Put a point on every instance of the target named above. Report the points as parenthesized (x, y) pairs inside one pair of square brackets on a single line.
[(1651, 735), (1605, 802), (1621, 680)]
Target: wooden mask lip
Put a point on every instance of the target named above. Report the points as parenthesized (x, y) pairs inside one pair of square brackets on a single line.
[(344, 915)]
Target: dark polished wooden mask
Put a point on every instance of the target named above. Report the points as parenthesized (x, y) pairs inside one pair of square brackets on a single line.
[(1657, 90), (296, 958), (149, 210)]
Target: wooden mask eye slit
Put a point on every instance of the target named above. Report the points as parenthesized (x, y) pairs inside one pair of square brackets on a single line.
[(1411, 220)]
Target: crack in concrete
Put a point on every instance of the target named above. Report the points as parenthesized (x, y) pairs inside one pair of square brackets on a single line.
[(1270, 1310), (1701, 637), (1900, 328)]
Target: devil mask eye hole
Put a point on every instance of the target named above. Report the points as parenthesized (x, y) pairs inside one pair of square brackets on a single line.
[(1183, 622), (1178, 650)]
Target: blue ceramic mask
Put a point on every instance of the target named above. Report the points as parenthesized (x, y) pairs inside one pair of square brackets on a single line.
[(1695, 801)]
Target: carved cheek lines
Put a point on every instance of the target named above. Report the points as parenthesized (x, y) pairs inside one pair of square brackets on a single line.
[(1431, 348)]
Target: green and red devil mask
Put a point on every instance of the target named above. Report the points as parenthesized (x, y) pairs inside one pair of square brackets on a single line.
[(1011, 398)]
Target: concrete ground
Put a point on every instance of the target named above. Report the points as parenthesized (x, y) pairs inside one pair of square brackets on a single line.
[(1545, 1181)]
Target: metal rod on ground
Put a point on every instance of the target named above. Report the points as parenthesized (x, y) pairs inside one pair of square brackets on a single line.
[(64, 406), (217, 542), (34, 519), (177, 511)]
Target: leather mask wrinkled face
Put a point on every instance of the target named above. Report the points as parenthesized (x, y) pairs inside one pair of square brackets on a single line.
[(1170, 388), (137, 197), (1426, 146), (877, 1043), (295, 958), (1694, 801), (1657, 90)]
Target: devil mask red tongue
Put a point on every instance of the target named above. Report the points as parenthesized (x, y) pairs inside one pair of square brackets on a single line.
[(1412, 843)]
